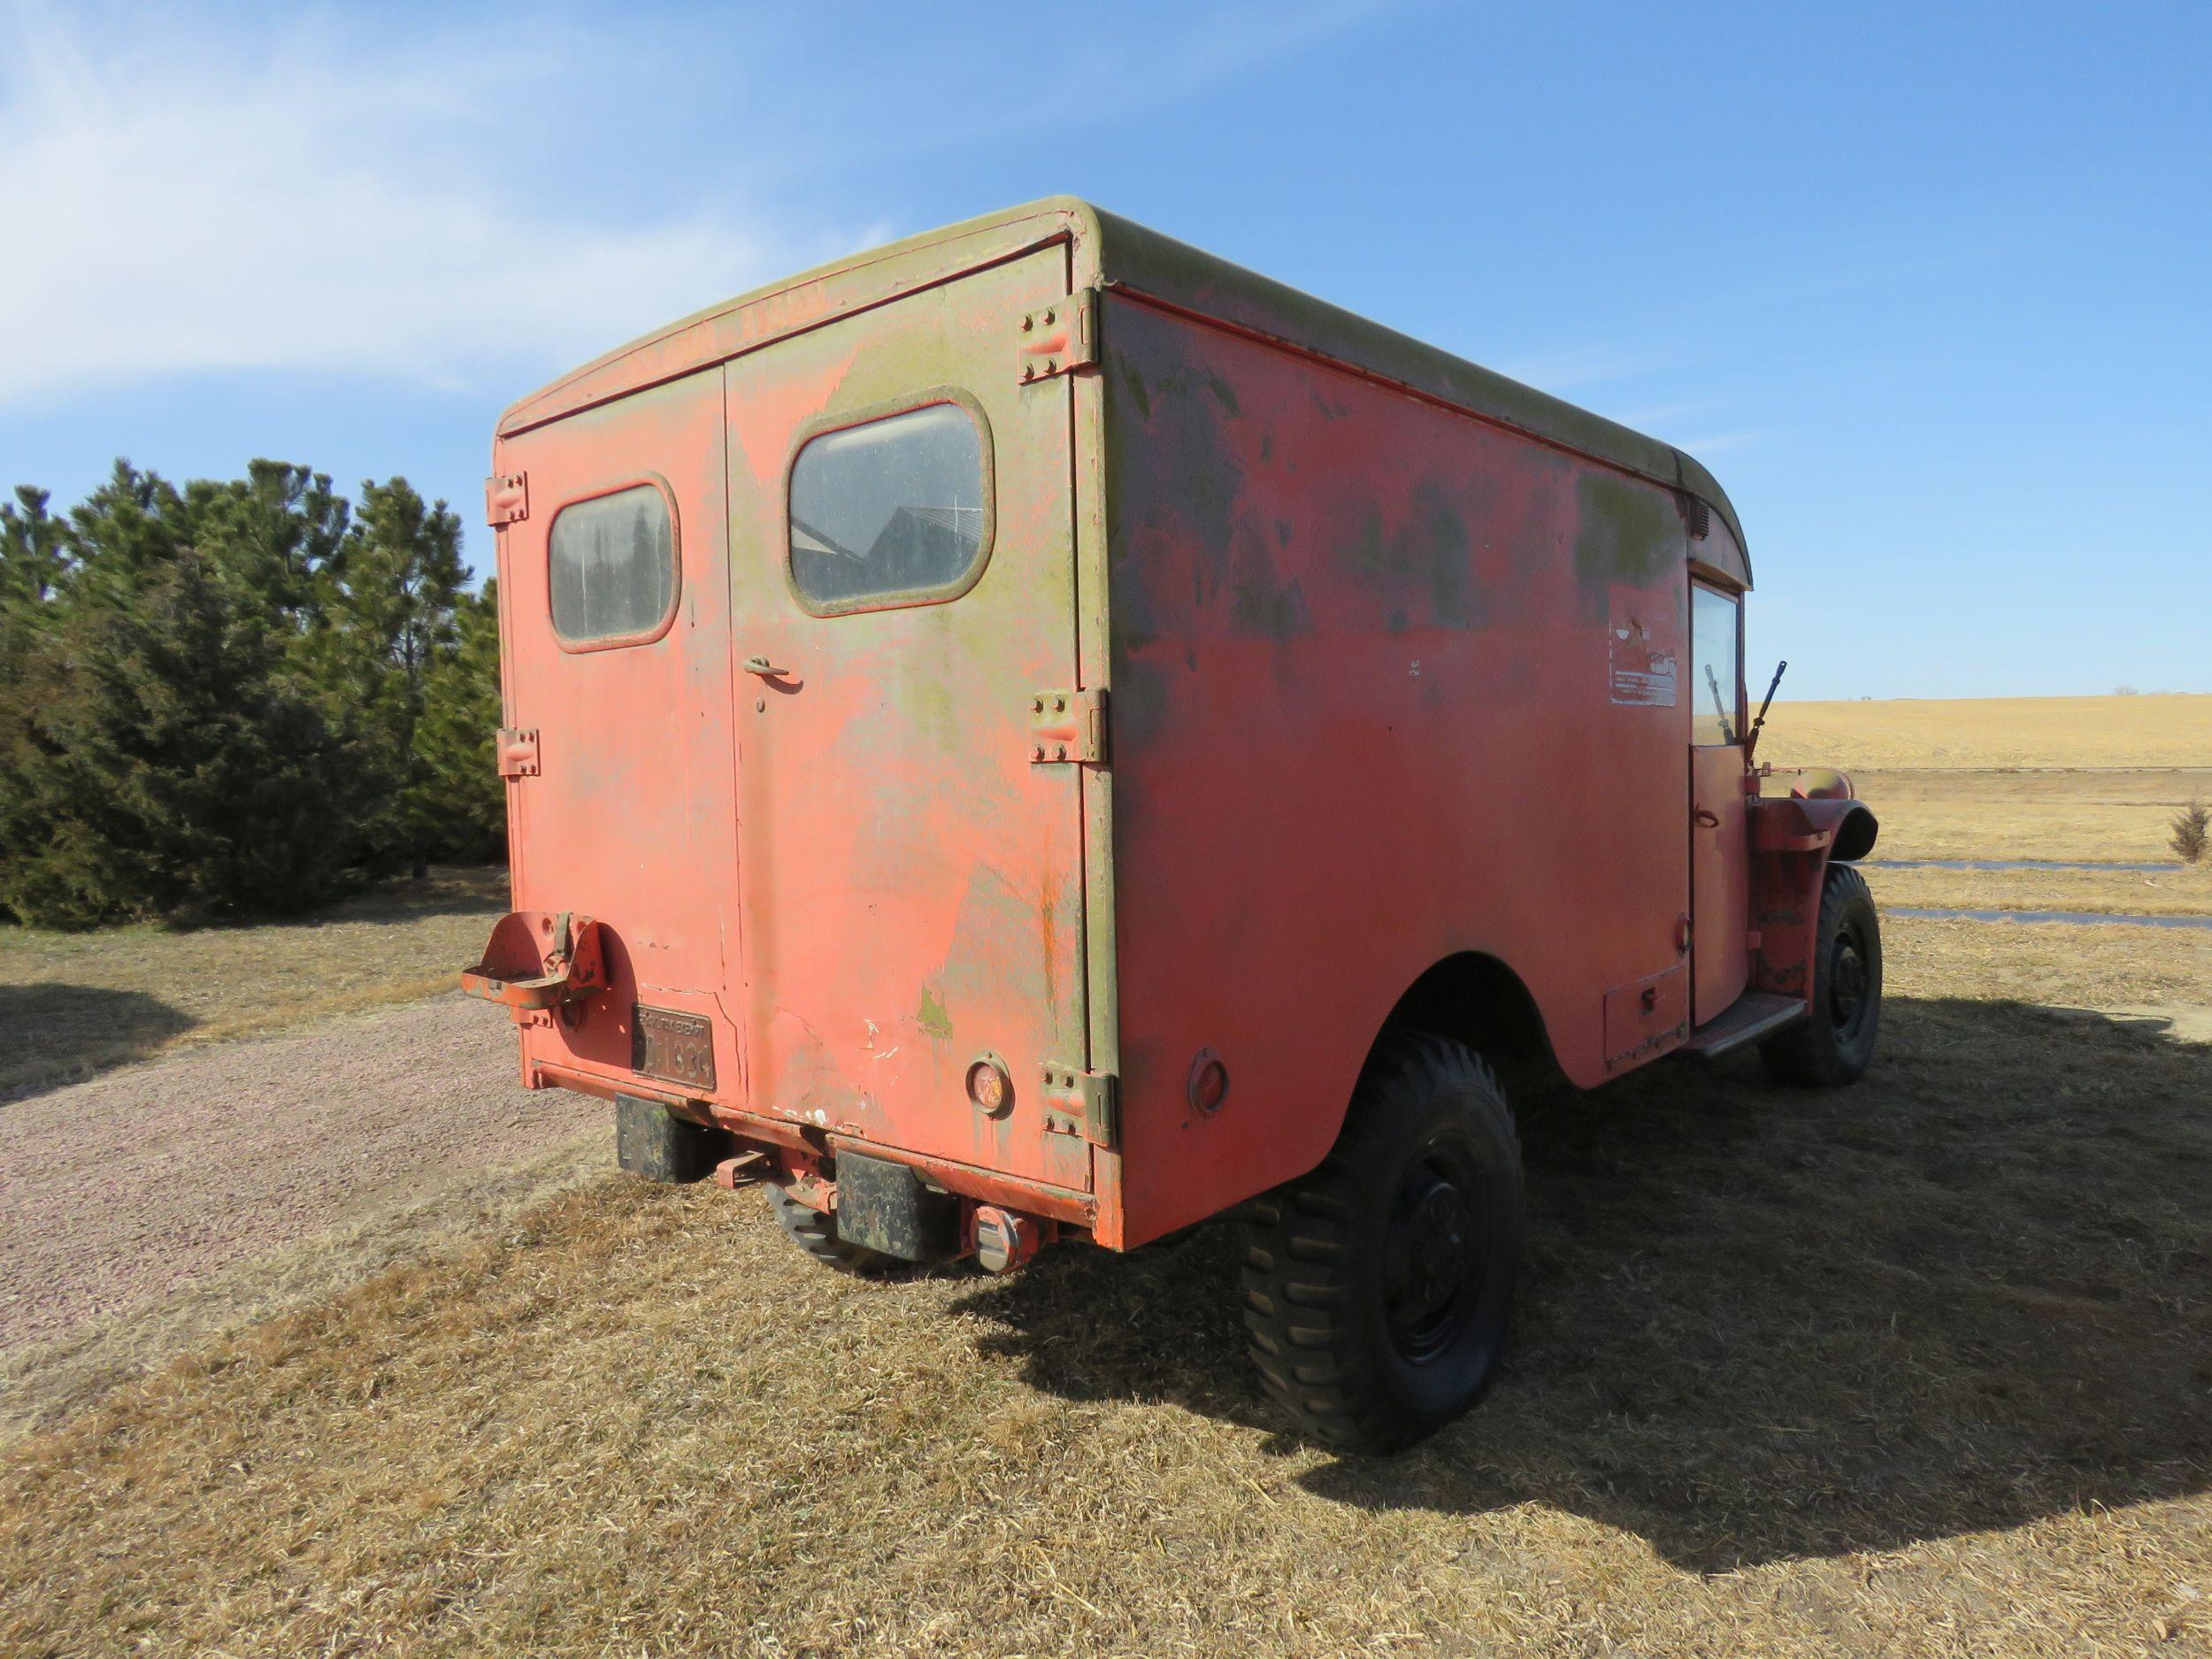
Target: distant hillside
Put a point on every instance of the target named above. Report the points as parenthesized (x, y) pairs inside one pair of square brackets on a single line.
[(1906, 733)]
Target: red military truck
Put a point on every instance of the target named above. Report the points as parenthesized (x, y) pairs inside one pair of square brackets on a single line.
[(1037, 731)]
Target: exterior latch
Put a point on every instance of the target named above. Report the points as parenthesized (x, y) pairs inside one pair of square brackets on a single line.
[(506, 498), (517, 751), (1056, 337), (1078, 1103), (1068, 725)]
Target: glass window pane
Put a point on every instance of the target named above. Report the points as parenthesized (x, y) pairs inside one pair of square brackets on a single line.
[(613, 562), (1714, 700), (895, 507)]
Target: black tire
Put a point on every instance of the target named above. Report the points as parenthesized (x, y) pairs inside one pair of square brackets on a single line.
[(1378, 1288), (1833, 1044), (815, 1233)]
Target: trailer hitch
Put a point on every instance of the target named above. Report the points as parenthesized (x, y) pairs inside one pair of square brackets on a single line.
[(538, 959)]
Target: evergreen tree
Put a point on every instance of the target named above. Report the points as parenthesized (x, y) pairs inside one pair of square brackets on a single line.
[(457, 805), (173, 769), (129, 529), (238, 695), (33, 554), (276, 532), (385, 614)]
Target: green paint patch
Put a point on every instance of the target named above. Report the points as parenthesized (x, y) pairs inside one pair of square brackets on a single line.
[(931, 1017)]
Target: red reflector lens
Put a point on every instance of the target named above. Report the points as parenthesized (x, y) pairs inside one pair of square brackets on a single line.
[(989, 1087)]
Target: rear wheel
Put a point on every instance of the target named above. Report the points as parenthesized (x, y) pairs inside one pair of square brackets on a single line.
[(1377, 1289), (1833, 1043), (815, 1233)]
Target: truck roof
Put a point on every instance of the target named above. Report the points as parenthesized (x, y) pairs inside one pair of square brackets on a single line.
[(1109, 252)]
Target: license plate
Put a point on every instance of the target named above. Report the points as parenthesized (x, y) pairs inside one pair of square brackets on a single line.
[(676, 1048)]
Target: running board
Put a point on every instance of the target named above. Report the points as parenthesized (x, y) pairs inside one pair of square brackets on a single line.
[(1754, 1015)]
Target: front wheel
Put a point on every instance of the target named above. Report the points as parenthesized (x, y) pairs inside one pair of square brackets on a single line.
[(1377, 1289), (1833, 1044)]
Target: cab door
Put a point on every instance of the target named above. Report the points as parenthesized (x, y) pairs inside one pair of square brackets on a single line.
[(1720, 895), (903, 586)]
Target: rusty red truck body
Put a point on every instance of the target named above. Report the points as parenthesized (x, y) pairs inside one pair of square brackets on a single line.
[(1037, 731)]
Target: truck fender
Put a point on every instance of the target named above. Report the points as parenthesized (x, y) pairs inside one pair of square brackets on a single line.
[(1792, 839), (1477, 999)]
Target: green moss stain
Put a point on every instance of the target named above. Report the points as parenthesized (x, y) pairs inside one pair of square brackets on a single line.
[(1224, 394), (1423, 569), (930, 1017), (1624, 531)]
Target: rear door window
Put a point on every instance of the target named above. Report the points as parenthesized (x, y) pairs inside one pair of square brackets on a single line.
[(893, 511), (613, 568)]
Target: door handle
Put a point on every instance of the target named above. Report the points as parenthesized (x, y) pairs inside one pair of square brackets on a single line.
[(765, 669), (1709, 819)]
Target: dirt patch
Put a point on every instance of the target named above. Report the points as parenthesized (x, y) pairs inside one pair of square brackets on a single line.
[(247, 1172), (76, 1004)]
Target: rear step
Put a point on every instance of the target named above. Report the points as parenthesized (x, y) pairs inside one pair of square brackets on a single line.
[(1754, 1015)]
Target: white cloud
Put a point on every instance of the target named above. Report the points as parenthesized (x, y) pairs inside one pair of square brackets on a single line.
[(296, 197)]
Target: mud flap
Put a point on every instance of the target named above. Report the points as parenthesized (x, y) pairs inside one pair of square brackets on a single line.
[(655, 1144), (886, 1207)]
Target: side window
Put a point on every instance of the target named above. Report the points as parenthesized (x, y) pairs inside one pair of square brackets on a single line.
[(1715, 703), (613, 561), (895, 511)]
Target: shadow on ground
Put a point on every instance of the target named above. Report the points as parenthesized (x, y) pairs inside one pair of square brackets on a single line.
[(1971, 1291), (62, 1033), (447, 890)]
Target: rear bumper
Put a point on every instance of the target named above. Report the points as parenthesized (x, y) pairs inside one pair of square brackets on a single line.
[(783, 1140)]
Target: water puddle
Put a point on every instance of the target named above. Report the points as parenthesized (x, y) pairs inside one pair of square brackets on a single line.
[(2013, 863), (2077, 917)]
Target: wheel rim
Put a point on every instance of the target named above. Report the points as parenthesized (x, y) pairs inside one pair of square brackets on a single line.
[(1434, 1256), (1850, 984)]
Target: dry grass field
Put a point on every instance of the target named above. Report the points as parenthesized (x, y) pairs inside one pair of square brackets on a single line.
[(73, 1004), (2145, 733), (1919, 1367), (2093, 778), (1923, 1366)]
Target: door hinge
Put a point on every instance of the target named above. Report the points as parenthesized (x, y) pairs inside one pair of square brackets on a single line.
[(1054, 338), (506, 498), (517, 751), (1078, 1103), (1068, 725)]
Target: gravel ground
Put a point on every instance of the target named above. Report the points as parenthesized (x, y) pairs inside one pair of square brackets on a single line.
[(122, 1193)]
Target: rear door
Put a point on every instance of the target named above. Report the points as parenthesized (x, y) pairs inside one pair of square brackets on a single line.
[(1720, 870), (617, 667), (903, 598)]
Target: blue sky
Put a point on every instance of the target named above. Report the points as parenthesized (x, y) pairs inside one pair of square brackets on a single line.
[(1928, 287)]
